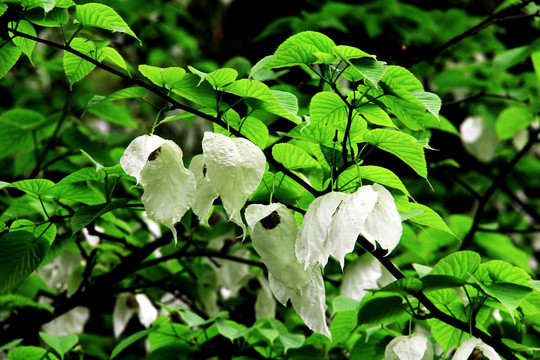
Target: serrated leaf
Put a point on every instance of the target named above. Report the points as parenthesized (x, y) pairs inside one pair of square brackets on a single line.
[(381, 310), (36, 187), (509, 294), (224, 328), (426, 216), (114, 56), (21, 252), (293, 157), (77, 68), (85, 215), (190, 88), (350, 52), (29, 353), (261, 97), (375, 115), (129, 341), (300, 49), (437, 282), (371, 71), (127, 93), (114, 113), (218, 78), (292, 341), (401, 145), (431, 101), (376, 174), (168, 78), (26, 45), (511, 120), (343, 323), (60, 344), (460, 265), (54, 18), (403, 286), (9, 54), (327, 108), (101, 16)]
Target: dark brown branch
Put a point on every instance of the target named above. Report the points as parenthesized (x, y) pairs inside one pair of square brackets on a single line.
[(492, 19), (496, 184), (175, 104)]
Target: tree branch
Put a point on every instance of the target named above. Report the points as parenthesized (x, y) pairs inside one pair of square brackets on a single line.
[(496, 184), (176, 104), (492, 19)]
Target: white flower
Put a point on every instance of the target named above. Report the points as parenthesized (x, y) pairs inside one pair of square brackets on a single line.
[(475, 345), (412, 347), (333, 222)]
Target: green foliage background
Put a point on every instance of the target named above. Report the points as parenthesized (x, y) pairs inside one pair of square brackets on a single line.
[(481, 58)]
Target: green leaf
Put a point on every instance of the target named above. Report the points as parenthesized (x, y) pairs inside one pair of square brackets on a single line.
[(375, 115), (114, 113), (403, 286), (343, 303), (226, 329), (36, 187), (21, 252), (371, 71), (370, 347), (437, 282), (301, 49), (199, 93), (60, 344), (263, 98), (372, 173), (3, 8), (343, 323), (218, 78), (293, 157), (501, 271), (535, 58), (327, 108), (77, 68), (459, 265), (381, 310), (401, 145), (54, 18), (168, 78), (511, 120), (127, 93), (346, 52), (10, 344), (425, 216), (26, 45), (13, 301), (85, 215), (292, 341), (431, 101), (501, 247), (114, 56), (129, 341), (101, 16), (9, 54), (508, 294), (29, 353)]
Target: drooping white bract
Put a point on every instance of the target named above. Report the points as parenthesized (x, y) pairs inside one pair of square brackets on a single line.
[(137, 152), (383, 224), (349, 221), (413, 347), (465, 350), (273, 232), (311, 244), (359, 275), (206, 193), (169, 188), (333, 222), (235, 168)]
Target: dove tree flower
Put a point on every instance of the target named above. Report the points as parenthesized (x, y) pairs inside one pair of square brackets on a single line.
[(413, 347), (273, 232), (169, 188), (477, 347), (333, 222)]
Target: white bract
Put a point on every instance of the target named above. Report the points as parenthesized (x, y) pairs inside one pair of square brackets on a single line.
[(474, 344), (206, 193), (235, 168), (128, 304), (333, 222), (413, 347), (273, 232), (169, 188), (359, 275)]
